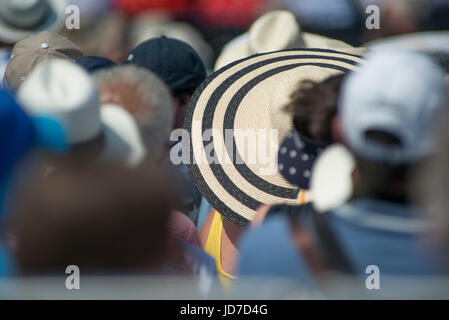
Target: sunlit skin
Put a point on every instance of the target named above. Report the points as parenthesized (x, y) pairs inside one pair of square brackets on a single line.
[(229, 241)]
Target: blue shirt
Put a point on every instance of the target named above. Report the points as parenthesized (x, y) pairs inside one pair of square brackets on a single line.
[(370, 232)]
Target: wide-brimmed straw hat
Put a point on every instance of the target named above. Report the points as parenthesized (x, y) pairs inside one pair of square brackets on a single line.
[(243, 98), (21, 18), (275, 30)]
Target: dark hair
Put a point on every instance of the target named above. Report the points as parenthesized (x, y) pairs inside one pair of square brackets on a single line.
[(98, 216), (313, 106), (183, 97)]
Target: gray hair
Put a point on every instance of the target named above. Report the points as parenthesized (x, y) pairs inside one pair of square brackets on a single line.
[(145, 96)]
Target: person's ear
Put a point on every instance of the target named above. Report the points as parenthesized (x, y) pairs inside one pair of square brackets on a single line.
[(337, 129)]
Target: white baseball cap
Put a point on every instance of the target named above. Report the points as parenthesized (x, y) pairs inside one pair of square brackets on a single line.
[(64, 91), (401, 93)]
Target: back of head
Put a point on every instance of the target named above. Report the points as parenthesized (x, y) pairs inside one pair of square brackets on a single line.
[(400, 94), (145, 96), (390, 112), (313, 106), (174, 61), (28, 53), (98, 216), (64, 91)]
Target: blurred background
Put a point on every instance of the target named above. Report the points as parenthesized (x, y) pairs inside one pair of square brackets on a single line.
[(208, 25)]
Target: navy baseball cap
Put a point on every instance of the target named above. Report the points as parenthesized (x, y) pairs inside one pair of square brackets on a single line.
[(174, 61), (92, 63)]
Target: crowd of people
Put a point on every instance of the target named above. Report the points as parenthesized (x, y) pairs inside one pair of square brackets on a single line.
[(264, 142)]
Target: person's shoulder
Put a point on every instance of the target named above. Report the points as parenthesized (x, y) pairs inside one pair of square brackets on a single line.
[(268, 251), (275, 225), (276, 228)]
